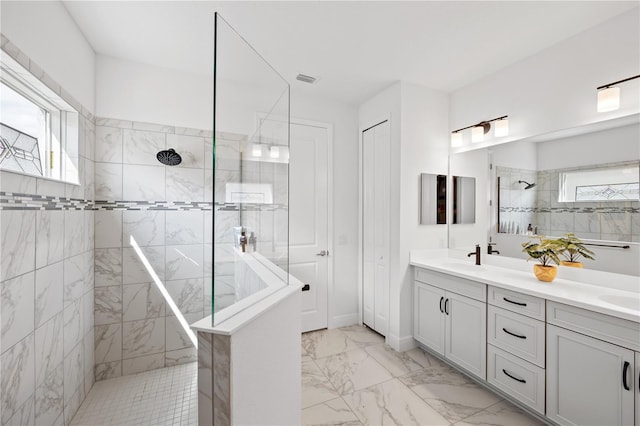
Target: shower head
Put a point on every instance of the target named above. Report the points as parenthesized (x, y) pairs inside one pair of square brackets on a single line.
[(529, 185), (169, 157)]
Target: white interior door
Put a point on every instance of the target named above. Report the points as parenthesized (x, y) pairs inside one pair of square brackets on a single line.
[(308, 220), (376, 149)]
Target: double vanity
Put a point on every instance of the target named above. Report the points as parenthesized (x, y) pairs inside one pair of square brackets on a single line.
[(567, 351)]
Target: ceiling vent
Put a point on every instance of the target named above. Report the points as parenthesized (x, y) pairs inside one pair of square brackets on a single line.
[(306, 78)]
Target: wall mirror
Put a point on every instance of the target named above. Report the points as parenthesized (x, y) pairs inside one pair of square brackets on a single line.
[(463, 200), (433, 199), (585, 184)]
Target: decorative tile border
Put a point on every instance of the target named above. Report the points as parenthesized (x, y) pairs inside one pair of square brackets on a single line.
[(611, 209), (15, 201)]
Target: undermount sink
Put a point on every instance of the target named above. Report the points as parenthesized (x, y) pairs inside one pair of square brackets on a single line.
[(629, 302), (463, 266)]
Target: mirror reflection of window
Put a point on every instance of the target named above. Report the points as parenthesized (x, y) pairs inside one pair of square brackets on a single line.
[(616, 183)]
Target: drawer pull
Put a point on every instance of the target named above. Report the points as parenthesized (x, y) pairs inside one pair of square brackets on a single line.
[(624, 375), (441, 299), (515, 303), (514, 378), (446, 311), (513, 334)]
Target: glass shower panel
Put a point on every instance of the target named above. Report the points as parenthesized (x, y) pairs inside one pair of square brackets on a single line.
[(250, 181)]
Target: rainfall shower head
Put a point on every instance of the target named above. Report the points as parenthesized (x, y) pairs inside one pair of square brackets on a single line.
[(529, 185), (169, 157)]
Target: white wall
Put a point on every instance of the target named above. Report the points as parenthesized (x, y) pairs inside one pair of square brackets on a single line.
[(137, 92), (607, 146), (419, 144), (46, 33), (424, 149), (556, 88)]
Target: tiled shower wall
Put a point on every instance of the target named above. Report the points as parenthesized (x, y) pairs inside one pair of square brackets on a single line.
[(46, 282), (612, 220), (167, 212)]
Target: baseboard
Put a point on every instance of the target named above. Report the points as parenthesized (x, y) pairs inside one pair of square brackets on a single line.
[(402, 344), (344, 320)]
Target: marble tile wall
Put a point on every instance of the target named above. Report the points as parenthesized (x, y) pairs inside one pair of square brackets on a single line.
[(46, 285), (612, 221), (166, 211)]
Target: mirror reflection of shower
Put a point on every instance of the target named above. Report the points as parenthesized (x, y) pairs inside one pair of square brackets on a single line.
[(529, 185)]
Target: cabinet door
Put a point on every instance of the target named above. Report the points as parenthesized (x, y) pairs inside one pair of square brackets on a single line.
[(428, 319), (586, 380), (466, 333), (636, 383)]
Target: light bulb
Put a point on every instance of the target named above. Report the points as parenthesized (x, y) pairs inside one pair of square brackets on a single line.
[(274, 152), (477, 134), (502, 127), (608, 99), (456, 139)]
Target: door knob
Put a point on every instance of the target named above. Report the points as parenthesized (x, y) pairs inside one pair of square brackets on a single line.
[(323, 253)]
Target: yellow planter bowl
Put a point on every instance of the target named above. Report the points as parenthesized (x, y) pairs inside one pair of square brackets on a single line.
[(545, 273), (572, 264)]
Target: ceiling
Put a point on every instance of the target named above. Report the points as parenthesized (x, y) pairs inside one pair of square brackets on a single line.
[(354, 48)]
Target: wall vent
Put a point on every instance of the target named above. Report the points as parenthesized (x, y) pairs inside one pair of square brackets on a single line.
[(306, 78)]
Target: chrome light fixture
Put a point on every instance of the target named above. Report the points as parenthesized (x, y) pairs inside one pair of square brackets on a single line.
[(609, 95), (479, 130)]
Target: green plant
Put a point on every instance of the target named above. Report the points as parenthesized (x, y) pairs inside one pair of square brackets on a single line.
[(545, 251), (572, 248)]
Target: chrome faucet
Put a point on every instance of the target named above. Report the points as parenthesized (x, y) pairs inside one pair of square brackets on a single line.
[(490, 249), (476, 254)]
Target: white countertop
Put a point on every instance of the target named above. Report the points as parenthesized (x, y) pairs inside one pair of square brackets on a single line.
[(621, 302)]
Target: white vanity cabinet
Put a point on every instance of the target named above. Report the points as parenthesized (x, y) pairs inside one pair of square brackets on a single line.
[(450, 318), (591, 377)]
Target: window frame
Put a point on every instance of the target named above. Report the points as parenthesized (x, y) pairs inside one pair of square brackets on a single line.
[(61, 124)]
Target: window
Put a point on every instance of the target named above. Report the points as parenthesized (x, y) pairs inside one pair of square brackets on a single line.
[(38, 129), (616, 183)]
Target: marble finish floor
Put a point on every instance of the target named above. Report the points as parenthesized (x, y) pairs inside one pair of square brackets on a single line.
[(351, 377)]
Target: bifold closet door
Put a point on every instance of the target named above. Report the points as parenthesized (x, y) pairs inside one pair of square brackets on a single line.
[(376, 150)]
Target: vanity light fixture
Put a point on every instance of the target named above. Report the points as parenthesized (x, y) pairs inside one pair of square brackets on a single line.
[(502, 127), (479, 130), (609, 95)]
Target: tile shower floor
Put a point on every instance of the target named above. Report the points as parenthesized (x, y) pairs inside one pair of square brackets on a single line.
[(349, 376)]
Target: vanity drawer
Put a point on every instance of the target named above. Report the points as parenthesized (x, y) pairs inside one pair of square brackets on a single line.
[(472, 289), (517, 334), (618, 331), (524, 304), (517, 378)]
